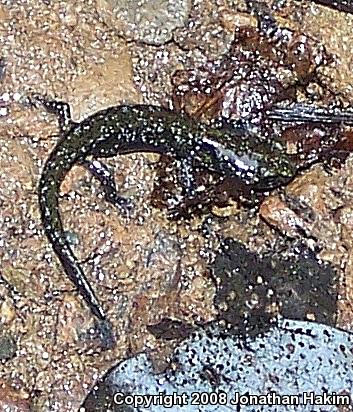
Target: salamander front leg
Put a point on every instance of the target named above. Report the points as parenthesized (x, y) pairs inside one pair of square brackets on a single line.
[(190, 193), (187, 178), (101, 172)]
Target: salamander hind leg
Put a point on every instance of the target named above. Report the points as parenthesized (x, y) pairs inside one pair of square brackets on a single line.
[(60, 109), (106, 179)]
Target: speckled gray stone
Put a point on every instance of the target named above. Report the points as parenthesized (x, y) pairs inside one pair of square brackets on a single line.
[(291, 359), (8, 347), (151, 21)]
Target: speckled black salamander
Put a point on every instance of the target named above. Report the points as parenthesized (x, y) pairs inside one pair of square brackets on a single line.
[(141, 128)]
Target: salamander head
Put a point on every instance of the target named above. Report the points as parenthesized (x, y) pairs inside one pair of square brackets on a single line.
[(274, 171)]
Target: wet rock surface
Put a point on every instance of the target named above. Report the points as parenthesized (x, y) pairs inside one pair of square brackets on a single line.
[(252, 344), (293, 358), (151, 22), (149, 268)]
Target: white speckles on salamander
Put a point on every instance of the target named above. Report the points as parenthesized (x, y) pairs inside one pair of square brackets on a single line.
[(142, 128)]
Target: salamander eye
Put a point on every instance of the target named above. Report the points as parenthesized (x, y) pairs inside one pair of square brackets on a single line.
[(208, 153)]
